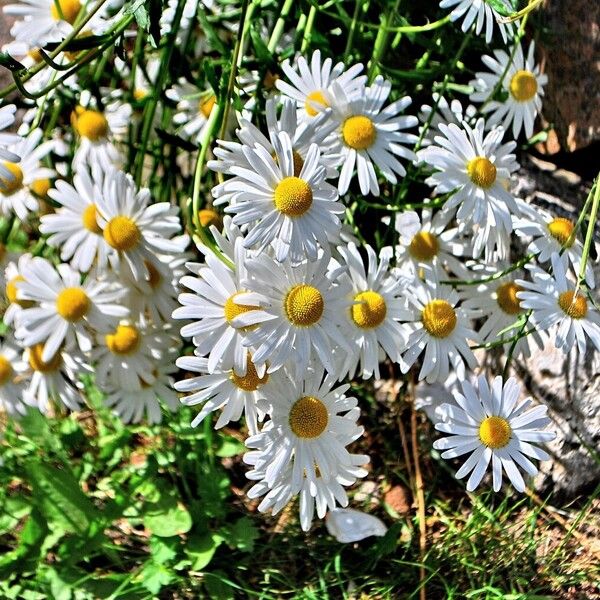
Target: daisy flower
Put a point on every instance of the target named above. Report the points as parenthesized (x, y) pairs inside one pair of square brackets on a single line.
[(12, 275), (16, 189), (74, 226), (444, 112), (302, 313), (50, 20), (7, 118), (440, 330), (98, 129), (480, 13), (65, 308), (193, 109), (11, 382), (368, 136), (427, 240), (131, 405), (215, 307), (224, 390), (311, 424), (477, 170), (55, 379), (550, 235), (126, 356), (558, 304), (521, 81), (376, 304), (490, 424), (294, 213), (134, 228), (311, 85)]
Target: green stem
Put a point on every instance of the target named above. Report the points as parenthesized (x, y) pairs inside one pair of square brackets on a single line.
[(279, 26), (310, 21), (589, 236)]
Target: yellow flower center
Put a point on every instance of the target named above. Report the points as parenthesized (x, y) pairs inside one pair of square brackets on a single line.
[(371, 310), (11, 293), (154, 277), (304, 305), (208, 217), (91, 124), (482, 172), (69, 9), (35, 55), (424, 246), (495, 432), (89, 220), (36, 362), (315, 103), (308, 417), (575, 306), (523, 86), (122, 234), (233, 310), (72, 304), (125, 340), (249, 382), (297, 160), (10, 186), (561, 229), (359, 132), (6, 370), (439, 318), (205, 106), (40, 187), (139, 93), (293, 196), (506, 296)]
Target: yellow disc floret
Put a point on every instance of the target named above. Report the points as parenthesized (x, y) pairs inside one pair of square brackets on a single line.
[(304, 305), (249, 382), (13, 184), (369, 311), (72, 304), (293, 196), (125, 340), (11, 293), (91, 124), (205, 106), (575, 306), (69, 9), (308, 417), (208, 217), (506, 296), (36, 362), (523, 86), (424, 246), (315, 103), (6, 370), (439, 318), (495, 432), (40, 187), (561, 229), (89, 219), (482, 171), (121, 233), (359, 132), (233, 310)]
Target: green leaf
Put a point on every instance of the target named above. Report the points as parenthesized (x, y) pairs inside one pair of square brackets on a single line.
[(6, 60), (201, 549), (241, 534), (154, 576), (229, 446), (500, 7), (217, 587), (167, 517)]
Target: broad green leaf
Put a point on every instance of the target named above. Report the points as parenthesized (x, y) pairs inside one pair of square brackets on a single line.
[(154, 576), (241, 534), (229, 446), (167, 517), (202, 548)]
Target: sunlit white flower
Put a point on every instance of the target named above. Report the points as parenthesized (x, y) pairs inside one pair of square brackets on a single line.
[(375, 306), (74, 226), (443, 112), (134, 228), (480, 13), (477, 170), (7, 118), (193, 109), (225, 390), (369, 135), (54, 380), (560, 306), (550, 235), (490, 424), (17, 190), (65, 309), (133, 405), (12, 275), (348, 525), (311, 85), (302, 313), (145, 78), (11, 382), (440, 330), (520, 78)]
